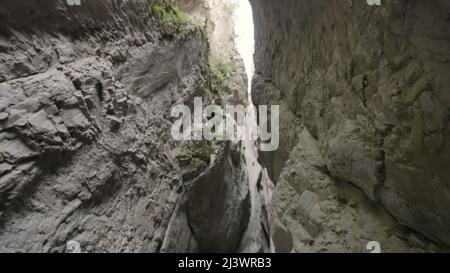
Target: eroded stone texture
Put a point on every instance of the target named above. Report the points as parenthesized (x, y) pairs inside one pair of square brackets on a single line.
[(370, 83), (86, 154)]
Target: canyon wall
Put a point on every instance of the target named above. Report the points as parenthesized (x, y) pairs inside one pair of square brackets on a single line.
[(364, 97), (86, 154)]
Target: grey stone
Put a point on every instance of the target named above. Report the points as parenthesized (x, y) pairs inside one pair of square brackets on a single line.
[(5, 167), (115, 122), (74, 118), (70, 103), (121, 191), (282, 239), (379, 116), (3, 116), (41, 123), (15, 150)]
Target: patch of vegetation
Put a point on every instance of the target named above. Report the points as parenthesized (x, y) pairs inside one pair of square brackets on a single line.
[(221, 69), (171, 20), (195, 157), (196, 153), (221, 73)]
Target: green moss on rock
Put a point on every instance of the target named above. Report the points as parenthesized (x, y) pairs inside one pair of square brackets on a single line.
[(171, 20)]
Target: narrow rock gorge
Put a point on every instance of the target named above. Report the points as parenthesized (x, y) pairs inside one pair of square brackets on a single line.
[(85, 146), (88, 161)]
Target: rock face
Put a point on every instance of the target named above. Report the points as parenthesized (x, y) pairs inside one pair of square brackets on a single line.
[(86, 154), (217, 208), (363, 92), (227, 60), (87, 162)]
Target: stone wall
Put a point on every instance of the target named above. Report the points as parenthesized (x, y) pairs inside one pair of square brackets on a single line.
[(85, 148), (370, 85)]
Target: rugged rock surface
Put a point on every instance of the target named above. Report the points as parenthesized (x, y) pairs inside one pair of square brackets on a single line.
[(87, 163), (86, 155), (226, 60), (366, 88)]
